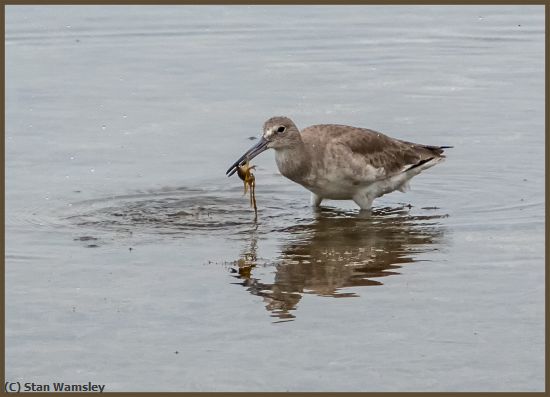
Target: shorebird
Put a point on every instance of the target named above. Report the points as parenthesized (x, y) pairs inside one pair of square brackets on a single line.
[(341, 162)]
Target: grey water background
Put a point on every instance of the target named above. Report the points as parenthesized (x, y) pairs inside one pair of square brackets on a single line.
[(132, 261)]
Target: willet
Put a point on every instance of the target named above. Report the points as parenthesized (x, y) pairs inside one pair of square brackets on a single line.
[(340, 162)]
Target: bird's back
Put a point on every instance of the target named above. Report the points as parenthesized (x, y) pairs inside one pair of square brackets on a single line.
[(368, 147)]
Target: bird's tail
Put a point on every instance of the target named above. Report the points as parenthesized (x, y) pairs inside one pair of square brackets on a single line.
[(436, 149)]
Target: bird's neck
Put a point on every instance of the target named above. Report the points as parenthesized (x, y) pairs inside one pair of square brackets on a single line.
[(294, 162)]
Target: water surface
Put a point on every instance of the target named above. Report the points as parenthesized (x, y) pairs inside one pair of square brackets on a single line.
[(132, 261)]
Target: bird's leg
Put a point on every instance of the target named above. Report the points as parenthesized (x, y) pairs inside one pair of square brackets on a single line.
[(364, 201), (315, 200)]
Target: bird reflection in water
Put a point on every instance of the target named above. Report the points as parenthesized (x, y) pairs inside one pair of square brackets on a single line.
[(334, 251)]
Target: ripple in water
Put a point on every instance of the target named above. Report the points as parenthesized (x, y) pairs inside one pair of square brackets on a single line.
[(180, 213), (324, 252)]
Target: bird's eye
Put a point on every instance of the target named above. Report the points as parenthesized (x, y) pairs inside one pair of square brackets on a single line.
[(281, 129)]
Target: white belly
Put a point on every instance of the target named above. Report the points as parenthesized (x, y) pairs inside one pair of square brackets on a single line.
[(346, 189), (339, 183), (339, 190)]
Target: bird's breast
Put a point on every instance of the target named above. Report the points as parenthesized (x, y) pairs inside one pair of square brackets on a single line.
[(293, 165), (331, 180)]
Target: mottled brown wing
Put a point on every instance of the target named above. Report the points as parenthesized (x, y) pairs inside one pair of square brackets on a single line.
[(373, 147), (379, 150)]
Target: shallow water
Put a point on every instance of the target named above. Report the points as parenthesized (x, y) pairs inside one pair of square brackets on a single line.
[(132, 261)]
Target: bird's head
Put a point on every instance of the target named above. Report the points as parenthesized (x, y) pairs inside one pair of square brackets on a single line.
[(278, 133)]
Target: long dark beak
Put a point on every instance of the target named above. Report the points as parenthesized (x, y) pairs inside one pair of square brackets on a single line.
[(255, 150)]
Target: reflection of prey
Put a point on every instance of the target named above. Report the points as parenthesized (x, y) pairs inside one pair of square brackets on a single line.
[(337, 251)]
